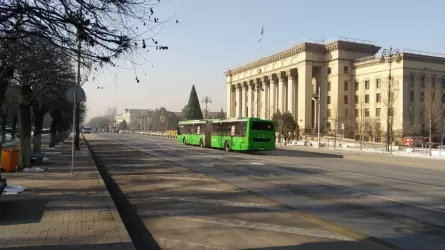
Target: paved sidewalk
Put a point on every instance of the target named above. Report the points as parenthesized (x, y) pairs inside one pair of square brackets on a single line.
[(60, 210)]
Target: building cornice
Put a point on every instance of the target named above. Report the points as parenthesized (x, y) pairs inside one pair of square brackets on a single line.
[(423, 58), (307, 47)]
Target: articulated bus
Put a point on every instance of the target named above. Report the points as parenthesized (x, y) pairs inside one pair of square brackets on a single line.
[(240, 134)]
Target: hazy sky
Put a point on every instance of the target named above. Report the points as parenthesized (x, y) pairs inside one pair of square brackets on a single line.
[(214, 35)]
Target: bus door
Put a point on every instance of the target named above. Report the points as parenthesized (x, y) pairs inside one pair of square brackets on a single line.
[(208, 134)]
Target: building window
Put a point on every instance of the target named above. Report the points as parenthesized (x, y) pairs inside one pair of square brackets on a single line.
[(356, 125), (378, 98), (345, 99), (356, 85), (356, 99), (356, 112), (366, 112), (346, 112), (378, 83), (329, 113), (422, 82), (443, 98), (345, 69), (329, 70), (377, 112), (329, 86), (411, 81), (433, 82), (329, 100), (346, 85), (443, 83), (422, 96), (366, 98), (411, 96), (366, 84)]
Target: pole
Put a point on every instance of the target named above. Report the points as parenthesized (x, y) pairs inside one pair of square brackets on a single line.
[(388, 136), (75, 127), (319, 96)]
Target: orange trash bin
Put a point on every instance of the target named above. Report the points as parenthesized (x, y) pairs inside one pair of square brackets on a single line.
[(10, 160)]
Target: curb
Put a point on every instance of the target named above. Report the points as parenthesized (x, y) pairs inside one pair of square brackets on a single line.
[(140, 237), (123, 233)]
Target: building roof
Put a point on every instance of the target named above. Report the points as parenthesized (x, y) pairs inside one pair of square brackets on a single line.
[(341, 44)]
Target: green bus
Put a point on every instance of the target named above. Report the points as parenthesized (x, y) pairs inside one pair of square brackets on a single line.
[(237, 134)]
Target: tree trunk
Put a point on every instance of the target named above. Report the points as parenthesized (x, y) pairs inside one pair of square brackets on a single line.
[(53, 130), (15, 120), (4, 121), (25, 132), (38, 124)]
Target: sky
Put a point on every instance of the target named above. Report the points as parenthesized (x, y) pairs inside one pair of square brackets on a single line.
[(215, 35)]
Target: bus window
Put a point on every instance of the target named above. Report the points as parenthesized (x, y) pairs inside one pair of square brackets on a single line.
[(261, 125)]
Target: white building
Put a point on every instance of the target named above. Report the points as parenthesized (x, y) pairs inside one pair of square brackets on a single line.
[(354, 83)]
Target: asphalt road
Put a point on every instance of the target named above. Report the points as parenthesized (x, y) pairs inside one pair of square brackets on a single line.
[(371, 199)]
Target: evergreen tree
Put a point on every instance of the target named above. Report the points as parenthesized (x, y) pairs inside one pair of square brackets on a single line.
[(193, 111)]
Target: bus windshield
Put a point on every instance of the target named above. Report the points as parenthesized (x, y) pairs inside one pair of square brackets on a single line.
[(262, 125)]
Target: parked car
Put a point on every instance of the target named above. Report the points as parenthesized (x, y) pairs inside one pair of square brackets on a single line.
[(86, 130)]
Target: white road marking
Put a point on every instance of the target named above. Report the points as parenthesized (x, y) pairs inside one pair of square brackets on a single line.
[(355, 191), (179, 244), (183, 178), (221, 202), (254, 225)]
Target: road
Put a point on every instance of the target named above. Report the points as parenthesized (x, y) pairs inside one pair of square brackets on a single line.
[(371, 200)]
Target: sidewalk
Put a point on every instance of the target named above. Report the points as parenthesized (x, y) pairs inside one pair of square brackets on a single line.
[(60, 210)]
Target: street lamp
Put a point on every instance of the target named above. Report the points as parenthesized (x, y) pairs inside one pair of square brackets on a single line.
[(206, 100), (389, 56), (316, 98)]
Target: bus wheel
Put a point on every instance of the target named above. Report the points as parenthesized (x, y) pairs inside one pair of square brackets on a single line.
[(201, 144), (227, 147)]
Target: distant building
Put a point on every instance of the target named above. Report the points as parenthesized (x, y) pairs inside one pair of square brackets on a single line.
[(354, 83)]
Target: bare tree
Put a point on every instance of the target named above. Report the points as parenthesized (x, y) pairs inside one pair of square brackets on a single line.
[(110, 113), (361, 121), (335, 119), (371, 127), (432, 109)]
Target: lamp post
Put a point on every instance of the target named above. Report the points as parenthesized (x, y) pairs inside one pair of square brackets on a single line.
[(206, 100), (389, 56), (316, 98)]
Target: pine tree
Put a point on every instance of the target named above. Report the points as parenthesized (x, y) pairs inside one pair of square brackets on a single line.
[(193, 107)]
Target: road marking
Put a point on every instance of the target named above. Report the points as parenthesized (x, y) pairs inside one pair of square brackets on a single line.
[(356, 191), (179, 244), (254, 225), (354, 173), (221, 202), (183, 178)]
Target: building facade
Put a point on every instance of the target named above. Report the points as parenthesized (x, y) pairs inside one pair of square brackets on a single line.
[(351, 81)]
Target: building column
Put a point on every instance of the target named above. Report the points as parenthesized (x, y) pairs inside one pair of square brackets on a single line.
[(249, 99), (272, 96), (280, 93), (263, 99), (244, 97), (305, 97), (290, 93), (255, 98), (229, 103), (238, 101)]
